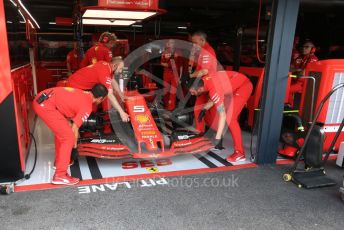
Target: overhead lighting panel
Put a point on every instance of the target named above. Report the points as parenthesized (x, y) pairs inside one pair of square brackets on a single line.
[(118, 14), (87, 21)]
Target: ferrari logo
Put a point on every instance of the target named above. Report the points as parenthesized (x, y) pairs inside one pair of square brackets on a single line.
[(151, 142), (94, 60), (153, 169)]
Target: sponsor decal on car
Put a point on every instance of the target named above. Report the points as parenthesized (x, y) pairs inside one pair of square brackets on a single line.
[(142, 118), (102, 141)]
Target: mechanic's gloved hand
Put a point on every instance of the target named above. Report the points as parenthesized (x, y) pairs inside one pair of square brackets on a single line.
[(201, 115), (75, 154), (218, 144)]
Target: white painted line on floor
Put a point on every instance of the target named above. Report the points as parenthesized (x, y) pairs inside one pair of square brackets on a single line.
[(84, 169)]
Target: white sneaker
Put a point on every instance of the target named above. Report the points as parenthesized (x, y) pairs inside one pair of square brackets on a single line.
[(65, 180)]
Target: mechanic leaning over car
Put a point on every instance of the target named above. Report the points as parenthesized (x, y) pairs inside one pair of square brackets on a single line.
[(101, 72), (228, 101), (101, 51), (206, 66), (64, 109)]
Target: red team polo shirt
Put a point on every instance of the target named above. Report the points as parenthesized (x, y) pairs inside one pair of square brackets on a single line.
[(177, 59), (74, 59), (72, 103), (87, 77), (301, 61), (98, 52), (219, 88), (207, 59)]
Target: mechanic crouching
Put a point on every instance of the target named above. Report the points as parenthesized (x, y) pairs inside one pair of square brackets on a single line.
[(227, 94), (64, 109)]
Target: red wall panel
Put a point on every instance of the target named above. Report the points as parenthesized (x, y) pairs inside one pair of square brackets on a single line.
[(23, 96), (5, 74)]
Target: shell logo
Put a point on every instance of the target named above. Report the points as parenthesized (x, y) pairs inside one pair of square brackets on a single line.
[(142, 118)]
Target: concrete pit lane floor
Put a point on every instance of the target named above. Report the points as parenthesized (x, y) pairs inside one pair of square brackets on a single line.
[(255, 198)]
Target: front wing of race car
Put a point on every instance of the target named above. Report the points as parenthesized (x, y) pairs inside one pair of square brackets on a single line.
[(103, 147), (140, 139)]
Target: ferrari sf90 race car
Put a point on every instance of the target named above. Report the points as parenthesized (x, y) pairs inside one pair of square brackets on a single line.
[(150, 133)]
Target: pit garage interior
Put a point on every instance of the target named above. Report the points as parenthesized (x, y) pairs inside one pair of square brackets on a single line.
[(254, 37)]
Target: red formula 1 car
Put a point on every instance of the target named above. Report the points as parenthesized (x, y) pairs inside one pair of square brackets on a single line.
[(143, 137)]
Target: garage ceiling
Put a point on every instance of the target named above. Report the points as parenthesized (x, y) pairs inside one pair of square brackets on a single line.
[(219, 18), (206, 14)]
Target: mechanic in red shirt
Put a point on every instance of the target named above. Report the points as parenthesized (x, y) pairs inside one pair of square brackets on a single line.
[(100, 51), (73, 59), (64, 109), (228, 93), (207, 62), (295, 52), (101, 72), (298, 68), (307, 56), (206, 66), (171, 61)]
